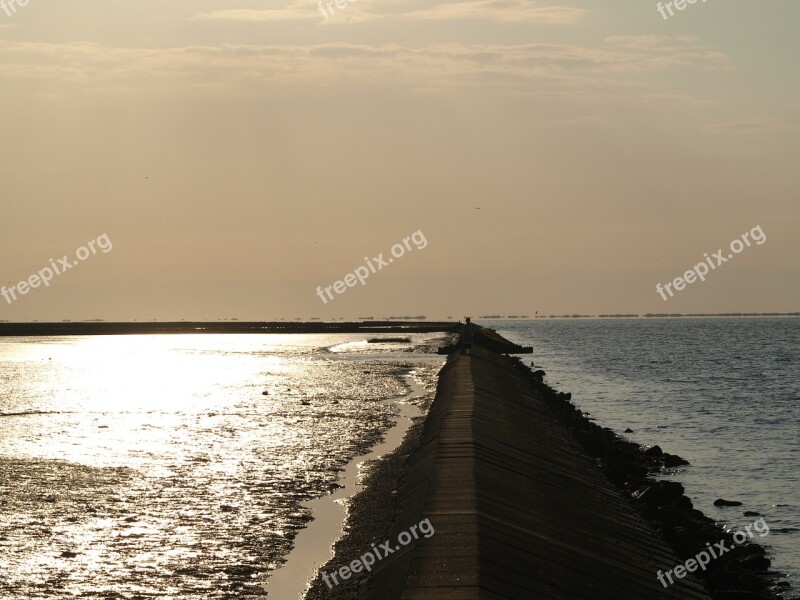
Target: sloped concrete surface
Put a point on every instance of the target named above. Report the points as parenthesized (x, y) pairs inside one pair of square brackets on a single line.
[(519, 510)]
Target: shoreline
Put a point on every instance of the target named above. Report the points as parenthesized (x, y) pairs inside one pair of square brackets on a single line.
[(742, 574), (371, 516), (70, 328), (217, 327), (313, 545)]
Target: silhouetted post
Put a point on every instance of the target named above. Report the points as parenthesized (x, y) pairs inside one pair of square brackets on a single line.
[(466, 335)]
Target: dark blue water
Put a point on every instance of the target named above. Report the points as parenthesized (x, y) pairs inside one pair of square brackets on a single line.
[(722, 393)]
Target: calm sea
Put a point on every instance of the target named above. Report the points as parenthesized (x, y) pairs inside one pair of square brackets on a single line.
[(723, 393), (154, 466)]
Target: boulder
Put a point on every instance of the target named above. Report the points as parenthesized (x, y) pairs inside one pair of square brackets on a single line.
[(673, 460), (660, 493), (755, 562), (654, 451), (721, 502)]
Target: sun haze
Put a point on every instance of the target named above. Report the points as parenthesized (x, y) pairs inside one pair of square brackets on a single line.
[(241, 156)]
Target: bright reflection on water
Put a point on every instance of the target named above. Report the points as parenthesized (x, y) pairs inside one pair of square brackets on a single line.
[(153, 466)]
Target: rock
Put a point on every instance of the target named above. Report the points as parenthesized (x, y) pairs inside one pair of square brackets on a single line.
[(751, 513), (719, 580), (751, 549), (68, 554), (756, 563), (721, 502), (265, 393), (673, 460), (734, 595), (654, 451), (629, 430), (661, 492), (240, 570), (538, 376), (751, 581)]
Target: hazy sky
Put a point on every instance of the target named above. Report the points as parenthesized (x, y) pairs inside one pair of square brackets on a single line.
[(560, 158)]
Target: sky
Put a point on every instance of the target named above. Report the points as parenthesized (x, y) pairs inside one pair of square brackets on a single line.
[(242, 156)]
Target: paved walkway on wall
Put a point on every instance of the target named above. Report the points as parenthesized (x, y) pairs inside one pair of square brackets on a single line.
[(519, 510)]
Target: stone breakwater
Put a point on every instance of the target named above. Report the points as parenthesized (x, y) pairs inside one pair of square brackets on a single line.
[(531, 499), (740, 574)]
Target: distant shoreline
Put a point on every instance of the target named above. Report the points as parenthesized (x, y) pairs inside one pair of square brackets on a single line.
[(107, 328), (644, 316), (66, 328)]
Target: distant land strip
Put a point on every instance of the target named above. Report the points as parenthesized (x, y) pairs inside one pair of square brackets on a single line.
[(105, 328), (653, 315)]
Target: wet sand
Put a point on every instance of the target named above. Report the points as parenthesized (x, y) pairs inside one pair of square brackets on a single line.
[(313, 546)]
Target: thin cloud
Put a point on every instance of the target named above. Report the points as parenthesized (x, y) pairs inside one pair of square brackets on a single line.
[(581, 74), (649, 42), (510, 11), (754, 125), (297, 12), (583, 122), (290, 13), (518, 11)]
